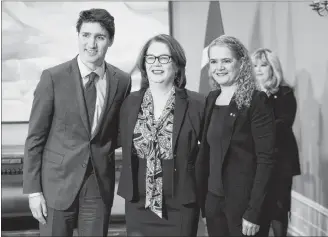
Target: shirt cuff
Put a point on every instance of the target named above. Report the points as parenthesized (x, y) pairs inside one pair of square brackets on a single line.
[(34, 194)]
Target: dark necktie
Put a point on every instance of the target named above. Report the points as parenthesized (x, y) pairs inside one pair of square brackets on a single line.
[(90, 95)]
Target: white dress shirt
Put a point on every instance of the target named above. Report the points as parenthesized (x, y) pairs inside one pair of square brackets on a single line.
[(100, 83), (100, 87)]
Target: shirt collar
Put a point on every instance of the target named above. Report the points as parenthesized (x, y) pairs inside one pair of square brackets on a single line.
[(85, 71)]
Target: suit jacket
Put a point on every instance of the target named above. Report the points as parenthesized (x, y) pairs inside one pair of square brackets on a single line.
[(247, 151), (286, 150), (284, 106), (59, 143), (187, 128)]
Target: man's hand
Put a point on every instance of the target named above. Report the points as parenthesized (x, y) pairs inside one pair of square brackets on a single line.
[(38, 208), (249, 228)]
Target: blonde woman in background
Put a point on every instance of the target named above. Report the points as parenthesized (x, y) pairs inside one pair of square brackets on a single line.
[(269, 75)]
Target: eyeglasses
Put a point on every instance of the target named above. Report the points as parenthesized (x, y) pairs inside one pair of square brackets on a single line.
[(163, 59)]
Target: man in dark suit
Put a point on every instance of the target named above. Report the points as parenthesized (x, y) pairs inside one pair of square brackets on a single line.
[(69, 163)]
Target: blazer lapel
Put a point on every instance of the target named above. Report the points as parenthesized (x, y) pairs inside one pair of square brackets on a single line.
[(228, 124), (112, 81), (181, 105), (208, 112), (228, 127), (111, 87), (76, 75), (132, 115)]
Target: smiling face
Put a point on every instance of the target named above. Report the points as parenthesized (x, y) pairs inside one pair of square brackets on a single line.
[(224, 67), (163, 69), (94, 41)]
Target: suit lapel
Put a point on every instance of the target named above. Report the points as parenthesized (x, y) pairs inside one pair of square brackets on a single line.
[(208, 113), (181, 105), (229, 127), (132, 115), (112, 81), (229, 122), (76, 75), (111, 87)]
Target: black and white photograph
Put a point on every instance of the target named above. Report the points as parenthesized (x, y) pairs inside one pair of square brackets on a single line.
[(168, 118)]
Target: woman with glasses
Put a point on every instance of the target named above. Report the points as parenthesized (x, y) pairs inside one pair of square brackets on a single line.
[(160, 127), (271, 80)]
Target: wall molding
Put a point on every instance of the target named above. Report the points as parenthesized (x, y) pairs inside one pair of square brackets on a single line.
[(310, 203), (292, 231), (308, 218)]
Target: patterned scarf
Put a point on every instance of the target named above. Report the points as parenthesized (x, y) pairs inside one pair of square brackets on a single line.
[(153, 141)]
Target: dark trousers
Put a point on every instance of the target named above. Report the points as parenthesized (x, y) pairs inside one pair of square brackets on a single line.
[(221, 221), (88, 212)]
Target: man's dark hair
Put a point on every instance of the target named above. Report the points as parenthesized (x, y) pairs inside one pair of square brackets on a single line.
[(103, 17)]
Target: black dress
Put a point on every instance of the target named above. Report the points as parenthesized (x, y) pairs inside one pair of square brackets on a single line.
[(214, 138), (215, 201)]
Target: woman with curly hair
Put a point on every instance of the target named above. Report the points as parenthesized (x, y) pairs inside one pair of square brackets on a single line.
[(269, 74), (236, 153)]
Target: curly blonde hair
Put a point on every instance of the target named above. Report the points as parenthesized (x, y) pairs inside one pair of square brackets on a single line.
[(245, 80)]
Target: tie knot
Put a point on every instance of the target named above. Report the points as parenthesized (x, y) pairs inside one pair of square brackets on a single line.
[(92, 76)]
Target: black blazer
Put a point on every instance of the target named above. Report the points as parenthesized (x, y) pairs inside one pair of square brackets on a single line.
[(59, 142), (187, 130), (286, 152), (247, 151)]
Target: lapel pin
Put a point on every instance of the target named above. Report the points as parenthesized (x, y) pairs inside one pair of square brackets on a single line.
[(275, 97)]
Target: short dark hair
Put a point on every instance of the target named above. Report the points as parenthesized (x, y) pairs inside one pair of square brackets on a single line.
[(177, 54), (103, 17)]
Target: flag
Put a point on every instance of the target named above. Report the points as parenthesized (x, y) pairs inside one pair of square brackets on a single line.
[(214, 29)]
